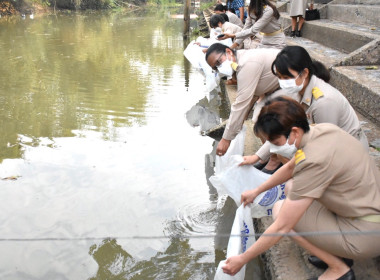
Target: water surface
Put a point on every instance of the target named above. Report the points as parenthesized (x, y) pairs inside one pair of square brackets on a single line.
[(108, 174)]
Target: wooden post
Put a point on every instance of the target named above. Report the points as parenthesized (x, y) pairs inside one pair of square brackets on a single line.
[(186, 18)]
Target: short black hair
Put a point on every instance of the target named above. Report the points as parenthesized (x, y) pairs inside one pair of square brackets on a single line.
[(217, 48), (220, 8), (215, 19), (278, 116)]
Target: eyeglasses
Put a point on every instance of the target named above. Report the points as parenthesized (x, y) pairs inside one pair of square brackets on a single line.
[(218, 62)]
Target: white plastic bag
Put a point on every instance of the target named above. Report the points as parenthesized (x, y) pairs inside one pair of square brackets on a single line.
[(235, 179), (196, 57), (236, 148), (242, 237)]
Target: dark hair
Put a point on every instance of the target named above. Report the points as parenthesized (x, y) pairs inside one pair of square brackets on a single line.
[(215, 19), (217, 48), (225, 17), (257, 7), (297, 59), (278, 116), (220, 8)]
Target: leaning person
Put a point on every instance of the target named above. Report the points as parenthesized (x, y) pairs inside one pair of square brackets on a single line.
[(299, 74), (254, 79), (330, 192), (264, 19), (221, 9)]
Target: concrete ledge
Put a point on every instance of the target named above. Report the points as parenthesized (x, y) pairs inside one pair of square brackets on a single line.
[(361, 87)]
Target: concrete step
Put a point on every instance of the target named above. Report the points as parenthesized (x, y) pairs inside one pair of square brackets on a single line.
[(351, 13), (361, 86), (337, 35)]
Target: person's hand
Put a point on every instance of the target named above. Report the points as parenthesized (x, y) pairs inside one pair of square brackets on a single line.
[(222, 147), (226, 36), (233, 265), (197, 43), (247, 160), (248, 197)]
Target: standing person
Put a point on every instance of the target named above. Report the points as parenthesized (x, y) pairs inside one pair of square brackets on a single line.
[(329, 192), (298, 73), (238, 7), (263, 18), (297, 12), (221, 9), (254, 79)]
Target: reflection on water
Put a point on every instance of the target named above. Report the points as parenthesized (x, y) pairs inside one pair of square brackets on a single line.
[(111, 178)]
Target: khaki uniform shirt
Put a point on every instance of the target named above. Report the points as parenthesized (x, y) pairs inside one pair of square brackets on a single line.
[(254, 78), (229, 27), (234, 19), (333, 168), (325, 104), (266, 24)]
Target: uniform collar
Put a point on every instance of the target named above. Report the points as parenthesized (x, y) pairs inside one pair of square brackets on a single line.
[(306, 137), (307, 95)]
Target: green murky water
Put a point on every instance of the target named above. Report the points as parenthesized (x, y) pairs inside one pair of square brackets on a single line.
[(108, 171)]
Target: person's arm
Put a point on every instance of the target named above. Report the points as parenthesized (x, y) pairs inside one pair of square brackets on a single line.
[(280, 176), (247, 160), (248, 78), (289, 215), (247, 25), (258, 26), (241, 9)]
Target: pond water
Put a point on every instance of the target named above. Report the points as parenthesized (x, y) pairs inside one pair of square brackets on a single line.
[(103, 176)]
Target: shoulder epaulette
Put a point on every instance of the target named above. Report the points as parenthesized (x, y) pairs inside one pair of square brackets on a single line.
[(300, 156), (234, 65), (317, 93)]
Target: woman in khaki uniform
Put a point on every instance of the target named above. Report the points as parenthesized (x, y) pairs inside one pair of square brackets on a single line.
[(321, 101), (297, 11), (330, 191), (263, 20)]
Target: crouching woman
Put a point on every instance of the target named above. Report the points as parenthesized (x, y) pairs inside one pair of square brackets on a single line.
[(328, 191)]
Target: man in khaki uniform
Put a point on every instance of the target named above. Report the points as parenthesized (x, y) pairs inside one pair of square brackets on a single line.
[(254, 79)]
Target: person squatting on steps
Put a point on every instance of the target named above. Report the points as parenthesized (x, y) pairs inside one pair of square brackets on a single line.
[(326, 191), (299, 74), (254, 79), (263, 20)]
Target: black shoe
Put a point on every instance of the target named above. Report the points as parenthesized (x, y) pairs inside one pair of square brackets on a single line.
[(298, 33), (258, 165), (293, 34), (271, 171), (317, 262), (349, 275)]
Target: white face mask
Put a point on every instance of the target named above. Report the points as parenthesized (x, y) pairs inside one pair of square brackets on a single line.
[(285, 150), (290, 86), (225, 68)]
